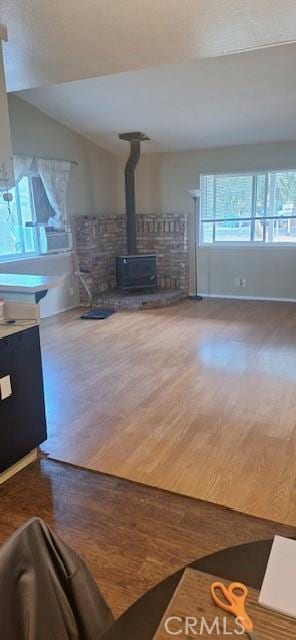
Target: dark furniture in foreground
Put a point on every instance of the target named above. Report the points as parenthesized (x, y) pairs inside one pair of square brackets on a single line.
[(22, 415), (47, 591), (244, 563)]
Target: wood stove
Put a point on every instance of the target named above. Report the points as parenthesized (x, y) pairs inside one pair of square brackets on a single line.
[(134, 271)]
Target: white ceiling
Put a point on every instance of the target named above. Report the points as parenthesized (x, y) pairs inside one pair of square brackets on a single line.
[(54, 41), (239, 99)]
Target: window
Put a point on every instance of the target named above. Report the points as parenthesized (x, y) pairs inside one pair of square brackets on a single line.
[(16, 236), (249, 208), (18, 221)]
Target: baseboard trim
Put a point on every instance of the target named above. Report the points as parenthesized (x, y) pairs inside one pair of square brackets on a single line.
[(56, 313), (18, 466), (233, 297)]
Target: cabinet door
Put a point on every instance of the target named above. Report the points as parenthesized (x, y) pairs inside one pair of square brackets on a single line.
[(22, 415)]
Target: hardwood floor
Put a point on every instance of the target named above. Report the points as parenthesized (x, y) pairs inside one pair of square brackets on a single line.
[(198, 399), (130, 536)]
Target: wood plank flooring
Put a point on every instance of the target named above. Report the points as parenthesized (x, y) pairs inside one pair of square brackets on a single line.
[(199, 399), (130, 536)]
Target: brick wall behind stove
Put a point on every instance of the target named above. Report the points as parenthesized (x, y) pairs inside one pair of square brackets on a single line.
[(167, 236), (99, 239)]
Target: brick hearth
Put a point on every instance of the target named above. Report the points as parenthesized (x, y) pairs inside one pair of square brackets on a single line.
[(99, 239), (120, 301)]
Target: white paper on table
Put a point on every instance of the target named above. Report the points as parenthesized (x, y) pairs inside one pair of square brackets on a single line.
[(278, 589)]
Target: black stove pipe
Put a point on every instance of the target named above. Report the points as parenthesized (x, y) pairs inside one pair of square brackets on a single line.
[(135, 139), (130, 198)]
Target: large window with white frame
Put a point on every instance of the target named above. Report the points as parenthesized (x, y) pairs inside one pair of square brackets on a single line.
[(248, 208)]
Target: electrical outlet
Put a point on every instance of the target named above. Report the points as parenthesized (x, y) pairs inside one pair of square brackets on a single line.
[(243, 282), (71, 291)]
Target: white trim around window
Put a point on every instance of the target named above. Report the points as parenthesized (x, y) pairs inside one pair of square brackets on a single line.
[(251, 209), (246, 245)]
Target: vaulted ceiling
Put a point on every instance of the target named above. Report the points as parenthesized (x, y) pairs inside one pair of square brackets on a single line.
[(161, 66), (54, 41), (240, 99)]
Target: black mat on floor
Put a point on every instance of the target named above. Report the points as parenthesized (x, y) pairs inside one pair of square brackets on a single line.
[(97, 314)]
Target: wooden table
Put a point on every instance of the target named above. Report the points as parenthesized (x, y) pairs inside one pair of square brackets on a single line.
[(244, 563), (192, 613)]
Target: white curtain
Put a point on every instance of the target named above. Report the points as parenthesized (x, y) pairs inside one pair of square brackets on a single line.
[(55, 177), (21, 166)]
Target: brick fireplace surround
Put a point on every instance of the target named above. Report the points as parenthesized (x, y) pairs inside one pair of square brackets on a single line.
[(99, 239)]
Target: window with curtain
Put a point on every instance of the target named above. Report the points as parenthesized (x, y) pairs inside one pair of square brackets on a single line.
[(17, 235), (33, 214), (258, 208), (18, 231)]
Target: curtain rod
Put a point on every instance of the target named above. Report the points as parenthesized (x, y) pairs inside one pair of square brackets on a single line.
[(60, 159)]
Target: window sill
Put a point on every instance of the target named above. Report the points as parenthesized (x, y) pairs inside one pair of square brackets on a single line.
[(249, 245), (34, 257)]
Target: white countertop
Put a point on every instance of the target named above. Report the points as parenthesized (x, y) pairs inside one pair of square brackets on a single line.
[(19, 325), (12, 282)]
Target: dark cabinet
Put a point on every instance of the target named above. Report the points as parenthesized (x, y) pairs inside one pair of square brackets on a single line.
[(22, 415)]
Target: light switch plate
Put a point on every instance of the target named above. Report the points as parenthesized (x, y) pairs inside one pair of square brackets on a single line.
[(5, 387)]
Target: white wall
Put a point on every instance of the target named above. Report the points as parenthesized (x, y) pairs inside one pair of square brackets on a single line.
[(269, 272), (91, 190), (91, 185), (162, 184)]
